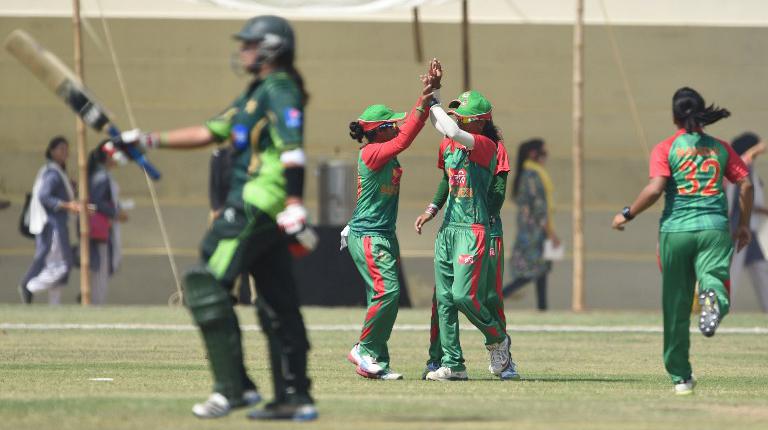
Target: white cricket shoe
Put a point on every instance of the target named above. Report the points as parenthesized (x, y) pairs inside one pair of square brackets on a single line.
[(389, 375), (365, 363), (685, 388), (510, 373), (216, 406), (498, 354), (446, 374)]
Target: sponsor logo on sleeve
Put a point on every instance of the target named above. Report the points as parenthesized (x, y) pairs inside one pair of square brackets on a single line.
[(292, 117), (240, 136)]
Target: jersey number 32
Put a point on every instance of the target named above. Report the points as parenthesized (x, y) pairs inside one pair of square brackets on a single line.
[(710, 169)]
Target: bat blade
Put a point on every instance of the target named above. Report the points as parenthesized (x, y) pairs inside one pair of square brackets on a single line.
[(57, 77)]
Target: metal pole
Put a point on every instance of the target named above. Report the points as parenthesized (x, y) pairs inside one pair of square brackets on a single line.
[(465, 41), (85, 260), (578, 158), (417, 49)]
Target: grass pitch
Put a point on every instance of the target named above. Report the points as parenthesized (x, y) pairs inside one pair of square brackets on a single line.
[(572, 380)]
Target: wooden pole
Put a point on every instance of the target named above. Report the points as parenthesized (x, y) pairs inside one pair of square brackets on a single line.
[(85, 256), (417, 49), (578, 159), (465, 42)]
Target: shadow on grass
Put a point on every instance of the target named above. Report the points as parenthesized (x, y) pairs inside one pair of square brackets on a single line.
[(566, 379)]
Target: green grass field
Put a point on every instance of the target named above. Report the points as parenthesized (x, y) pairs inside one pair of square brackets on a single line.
[(573, 380)]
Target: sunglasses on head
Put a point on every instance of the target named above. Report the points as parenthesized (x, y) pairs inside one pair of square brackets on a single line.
[(386, 125), (467, 119)]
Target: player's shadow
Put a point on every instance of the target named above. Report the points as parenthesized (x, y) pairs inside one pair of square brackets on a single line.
[(566, 379)]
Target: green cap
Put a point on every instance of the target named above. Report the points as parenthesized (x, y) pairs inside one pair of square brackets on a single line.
[(471, 103), (375, 113)]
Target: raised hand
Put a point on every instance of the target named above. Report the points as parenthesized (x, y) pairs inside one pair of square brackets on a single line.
[(427, 91), (436, 72)]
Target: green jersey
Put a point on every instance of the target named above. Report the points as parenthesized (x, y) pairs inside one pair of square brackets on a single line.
[(262, 123), (378, 180), (695, 164), (469, 177)]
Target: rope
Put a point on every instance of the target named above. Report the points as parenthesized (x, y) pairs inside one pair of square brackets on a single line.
[(176, 297), (627, 89)]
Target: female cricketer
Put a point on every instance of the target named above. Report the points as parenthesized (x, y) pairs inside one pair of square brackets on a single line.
[(468, 159), (494, 300), (265, 129), (694, 239), (372, 240)]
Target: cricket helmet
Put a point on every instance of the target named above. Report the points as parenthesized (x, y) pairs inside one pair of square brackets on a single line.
[(274, 36)]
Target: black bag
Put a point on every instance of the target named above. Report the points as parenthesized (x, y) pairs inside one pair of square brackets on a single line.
[(24, 218)]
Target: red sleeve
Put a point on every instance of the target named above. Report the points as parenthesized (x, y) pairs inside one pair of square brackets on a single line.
[(736, 169), (659, 164), (376, 155), (484, 150), (440, 161), (502, 159)]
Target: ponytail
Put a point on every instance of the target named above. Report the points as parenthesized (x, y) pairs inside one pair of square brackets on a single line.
[(356, 131), (285, 62), (690, 111), (523, 152), (490, 131)]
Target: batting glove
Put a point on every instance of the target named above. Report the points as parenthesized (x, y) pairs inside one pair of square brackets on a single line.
[(143, 140), (292, 219)]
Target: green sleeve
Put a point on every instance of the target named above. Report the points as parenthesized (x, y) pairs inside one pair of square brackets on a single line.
[(285, 114), (496, 193), (442, 192), (220, 126)]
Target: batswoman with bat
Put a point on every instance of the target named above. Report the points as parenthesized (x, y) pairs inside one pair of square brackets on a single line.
[(263, 215)]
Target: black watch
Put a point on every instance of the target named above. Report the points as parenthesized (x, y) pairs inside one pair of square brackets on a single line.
[(627, 215)]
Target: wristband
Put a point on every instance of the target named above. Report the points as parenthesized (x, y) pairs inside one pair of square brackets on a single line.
[(432, 209), (626, 214)]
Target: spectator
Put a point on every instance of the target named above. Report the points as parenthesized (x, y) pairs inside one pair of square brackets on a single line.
[(532, 191), (104, 231), (748, 146), (52, 202)]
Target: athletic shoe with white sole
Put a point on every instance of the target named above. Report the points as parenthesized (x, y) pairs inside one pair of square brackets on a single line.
[(431, 367), (297, 410), (710, 313), (216, 406), (498, 353), (685, 388), (446, 374), (364, 363)]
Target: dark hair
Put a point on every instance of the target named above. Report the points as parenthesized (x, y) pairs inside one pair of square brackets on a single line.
[(744, 141), (357, 133), (285, 62), (523, 152), (53, 144), (96, 157), (691, 112), (490, 131)]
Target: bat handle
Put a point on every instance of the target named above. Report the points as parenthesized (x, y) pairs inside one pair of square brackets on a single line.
[(135, 154)]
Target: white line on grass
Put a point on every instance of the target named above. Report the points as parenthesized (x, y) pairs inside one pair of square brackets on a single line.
[(553, 328)]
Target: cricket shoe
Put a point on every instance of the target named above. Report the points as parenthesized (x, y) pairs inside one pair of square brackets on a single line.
[(385, 375), (364, 363), (685, 388), (446, 374), (302, 409), (431, 367), (710, 313), (216, 406), (251, 397), (510, 373), (499, 356)]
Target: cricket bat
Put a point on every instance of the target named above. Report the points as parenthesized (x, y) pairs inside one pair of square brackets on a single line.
[(60, 80)]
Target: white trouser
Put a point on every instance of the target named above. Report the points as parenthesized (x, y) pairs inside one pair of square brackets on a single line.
[(758, 272), (48, 278), (100, 278)]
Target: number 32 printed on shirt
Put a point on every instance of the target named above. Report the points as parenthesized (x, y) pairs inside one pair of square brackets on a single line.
[(693, 185)]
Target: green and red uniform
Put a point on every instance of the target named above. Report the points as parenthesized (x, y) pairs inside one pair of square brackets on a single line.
[(494, 298), (462, 246), (694, 238), (372, 241)]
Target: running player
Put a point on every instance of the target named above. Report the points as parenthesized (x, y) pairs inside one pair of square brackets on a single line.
[(372, 240), (494, 300), (265, 128), (468, 158), (694, 238)]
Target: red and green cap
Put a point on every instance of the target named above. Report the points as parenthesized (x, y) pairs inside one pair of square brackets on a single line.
[(376, 115), (471, 104)]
